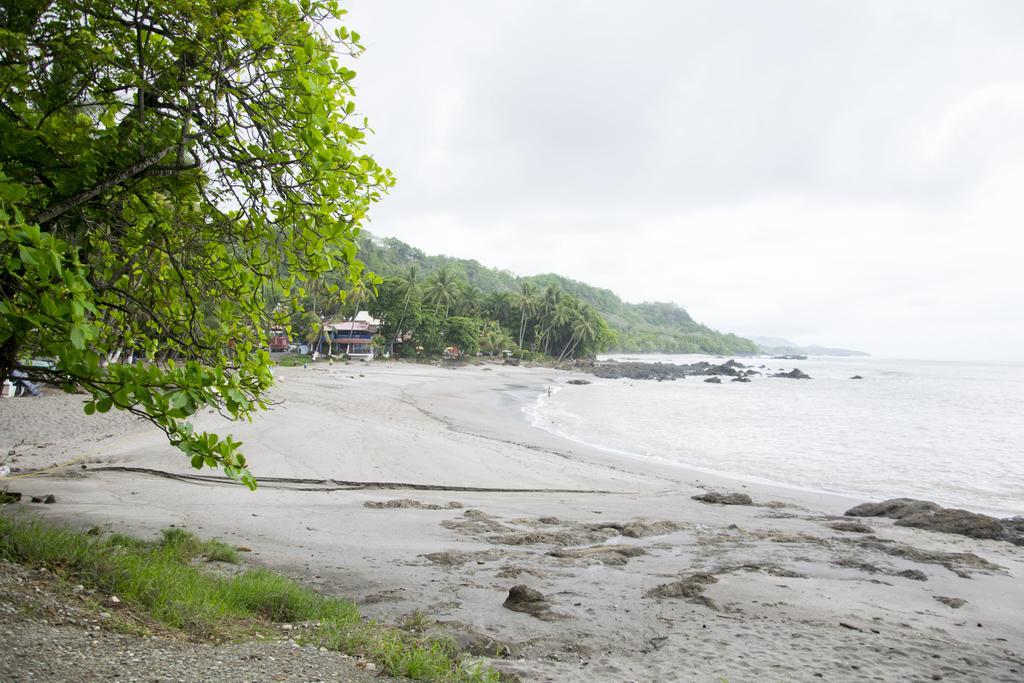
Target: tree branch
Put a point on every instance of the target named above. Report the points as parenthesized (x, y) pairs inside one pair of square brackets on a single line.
[(65, 205)]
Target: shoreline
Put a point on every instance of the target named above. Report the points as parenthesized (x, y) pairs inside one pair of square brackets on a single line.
[(619, 603)]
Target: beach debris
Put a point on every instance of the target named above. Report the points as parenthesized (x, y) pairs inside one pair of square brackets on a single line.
[(572, 536), (524, 599), (640, 528), (717, 497), (955, 603), (960, 564), (770, 569), (795, 373), (855, 563), (455, 558), (912, 574), (579, 382), (471, 641), (611, 555), (691, 586), (410, 503), (852, 527), (923, 514), (475, 523)]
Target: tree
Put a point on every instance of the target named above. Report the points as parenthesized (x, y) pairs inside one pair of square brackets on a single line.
[(527, 301), (163, 166), (443, 290), (463, 333)]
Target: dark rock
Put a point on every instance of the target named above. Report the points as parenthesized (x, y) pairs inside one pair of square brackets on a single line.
[(853, 527), (713, 380), (664, 371), (511, 361), (527, 600), (579, 381), (923, 514), (913, 574), (856, 377), (795, 373), (9, 497), (731, 368), (689, 587), (955, 603), (741, 378), (724, 498)]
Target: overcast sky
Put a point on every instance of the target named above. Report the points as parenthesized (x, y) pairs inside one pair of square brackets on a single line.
[(843, 173)]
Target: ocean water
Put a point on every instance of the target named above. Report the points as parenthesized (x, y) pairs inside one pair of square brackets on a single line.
[(952, 432)]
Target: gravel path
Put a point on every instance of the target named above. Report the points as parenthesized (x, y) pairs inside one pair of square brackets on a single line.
[(46, 636)]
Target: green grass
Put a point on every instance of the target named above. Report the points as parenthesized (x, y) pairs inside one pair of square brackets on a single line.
[(161, 578)]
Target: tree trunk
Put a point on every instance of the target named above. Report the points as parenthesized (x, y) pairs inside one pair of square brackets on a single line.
[(8, 358)]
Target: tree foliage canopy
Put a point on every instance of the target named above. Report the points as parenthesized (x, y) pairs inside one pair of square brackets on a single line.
[(165, 166)]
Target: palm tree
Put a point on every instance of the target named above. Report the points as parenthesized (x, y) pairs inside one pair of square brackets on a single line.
[(443, 289), (411, 287), (584, 330), (559, 316), (360, 288), (527, 302), (471, 301)]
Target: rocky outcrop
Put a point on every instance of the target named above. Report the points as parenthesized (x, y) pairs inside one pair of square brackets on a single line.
[(795, 373), (666, 371), (725, 498), (923, 514), (713, 380)]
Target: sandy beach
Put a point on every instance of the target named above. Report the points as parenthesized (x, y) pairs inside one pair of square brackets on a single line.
[(416, 488)]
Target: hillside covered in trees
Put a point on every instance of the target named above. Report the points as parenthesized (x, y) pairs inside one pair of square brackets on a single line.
[(645, 327)]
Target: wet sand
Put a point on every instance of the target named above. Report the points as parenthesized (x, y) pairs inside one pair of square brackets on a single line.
[(418, 488)]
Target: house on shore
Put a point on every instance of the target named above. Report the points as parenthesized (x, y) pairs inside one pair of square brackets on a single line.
[(353, 337)]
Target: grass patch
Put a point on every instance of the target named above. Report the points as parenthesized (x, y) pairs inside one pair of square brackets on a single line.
[(161, 579)]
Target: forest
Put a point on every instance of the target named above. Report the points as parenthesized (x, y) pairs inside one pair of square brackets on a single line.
[(443, 301)]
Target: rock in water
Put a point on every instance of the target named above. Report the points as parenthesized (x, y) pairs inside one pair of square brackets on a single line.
[(713, 380), (923, 514), (524, 599), (740, 378), (578, 381), (795, 373), (725, 498), (856, 377)]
